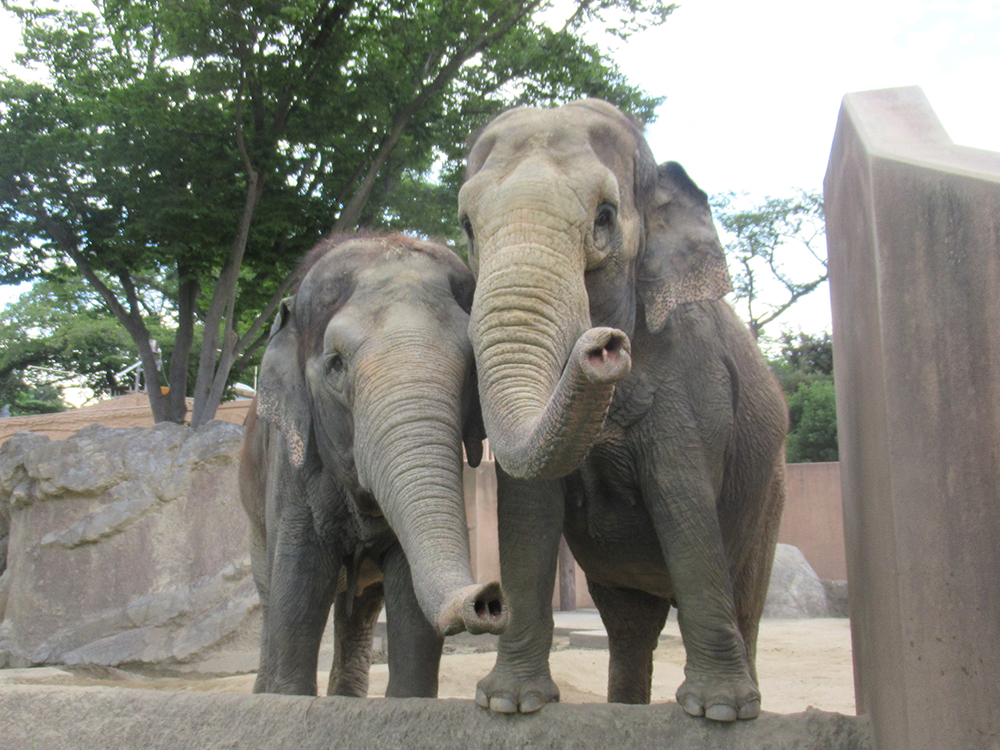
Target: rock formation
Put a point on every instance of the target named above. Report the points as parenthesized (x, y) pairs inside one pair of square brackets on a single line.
[(795, 590), (126, 547)]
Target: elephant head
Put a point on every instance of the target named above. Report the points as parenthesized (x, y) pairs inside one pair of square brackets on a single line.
[(369, 377), (576, 237)]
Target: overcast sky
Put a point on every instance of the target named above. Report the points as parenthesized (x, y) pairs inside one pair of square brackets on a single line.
[(753, 87)]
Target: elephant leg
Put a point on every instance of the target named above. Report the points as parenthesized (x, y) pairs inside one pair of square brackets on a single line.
[(530, 519), (302, 588), (718, 682), (261, 576), (633, 620), (352, 641), (755, 553), (414, 644), (264, 667)]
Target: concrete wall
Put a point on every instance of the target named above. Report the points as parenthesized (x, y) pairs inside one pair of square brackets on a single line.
[(131, 410), (913, 227), (68, 718), (813, 519)]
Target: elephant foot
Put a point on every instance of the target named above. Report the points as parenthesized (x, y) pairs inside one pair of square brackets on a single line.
[(719, 697), (503, 692)]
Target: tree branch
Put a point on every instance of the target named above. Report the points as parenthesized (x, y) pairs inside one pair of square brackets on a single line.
[(261, 320), (352, 211)]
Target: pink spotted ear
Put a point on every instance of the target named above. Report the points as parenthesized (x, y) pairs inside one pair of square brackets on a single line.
[(281, 391), (683, 260)]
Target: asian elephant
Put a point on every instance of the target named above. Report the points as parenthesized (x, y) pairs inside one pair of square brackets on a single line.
[(627, 405), (351, 471)]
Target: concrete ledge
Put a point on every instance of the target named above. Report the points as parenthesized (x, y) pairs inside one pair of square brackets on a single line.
[(118, 719)]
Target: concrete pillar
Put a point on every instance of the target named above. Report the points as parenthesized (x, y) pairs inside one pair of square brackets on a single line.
[(913, 226)]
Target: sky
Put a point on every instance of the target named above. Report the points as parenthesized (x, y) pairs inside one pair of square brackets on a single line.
[(753, 87)]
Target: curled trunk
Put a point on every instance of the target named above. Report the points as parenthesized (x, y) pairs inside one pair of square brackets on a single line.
[(546, 378)]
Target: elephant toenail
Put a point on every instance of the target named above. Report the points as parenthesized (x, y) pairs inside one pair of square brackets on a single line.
[(503, 705), (531, 704), (693, 707), (720, 712)]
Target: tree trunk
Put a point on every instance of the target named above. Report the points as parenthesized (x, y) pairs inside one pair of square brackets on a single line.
[(207, 395), (187, 294)]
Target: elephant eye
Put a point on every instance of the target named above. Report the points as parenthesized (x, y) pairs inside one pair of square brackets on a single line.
[(335, 363), (606, 214), (467, 227)]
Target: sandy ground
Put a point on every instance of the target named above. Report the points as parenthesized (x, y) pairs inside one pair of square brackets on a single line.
[(801, 663)]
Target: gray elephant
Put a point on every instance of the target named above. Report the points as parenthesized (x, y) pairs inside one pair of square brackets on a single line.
[(627, 405), (351, 471)]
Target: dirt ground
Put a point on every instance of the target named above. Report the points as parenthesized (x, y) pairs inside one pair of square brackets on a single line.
[(801, 663)]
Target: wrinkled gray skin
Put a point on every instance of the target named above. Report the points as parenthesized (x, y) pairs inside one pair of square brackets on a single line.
[(627, 405), (352, 468)]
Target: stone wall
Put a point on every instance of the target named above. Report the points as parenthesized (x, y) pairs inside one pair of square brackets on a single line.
[(126, 547), (130, 547)]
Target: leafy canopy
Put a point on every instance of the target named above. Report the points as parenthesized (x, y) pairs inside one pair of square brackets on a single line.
[(804, 369), (198, 148), (57, 335)]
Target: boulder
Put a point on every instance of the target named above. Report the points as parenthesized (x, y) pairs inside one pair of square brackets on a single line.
[(795, 589), (836, 598), (127, 547)]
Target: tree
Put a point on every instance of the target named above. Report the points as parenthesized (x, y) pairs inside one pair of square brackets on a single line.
[(804, 369), (198, 148), (57, 334), (812, 413), (777, 250)]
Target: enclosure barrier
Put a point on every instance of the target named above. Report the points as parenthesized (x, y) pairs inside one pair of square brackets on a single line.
[(913, 226)]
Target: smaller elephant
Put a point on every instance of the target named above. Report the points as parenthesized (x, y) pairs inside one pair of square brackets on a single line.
[(351, 471)]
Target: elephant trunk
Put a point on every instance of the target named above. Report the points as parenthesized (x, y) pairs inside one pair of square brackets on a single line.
[(409, 456), (546, 378)]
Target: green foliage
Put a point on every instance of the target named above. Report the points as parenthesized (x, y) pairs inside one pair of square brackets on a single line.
[(812, 411), (776, 251), (208, 145), (54, 336), (38, 399), (805, 371)]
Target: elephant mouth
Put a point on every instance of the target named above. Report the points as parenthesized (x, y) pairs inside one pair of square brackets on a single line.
[(366, 504)]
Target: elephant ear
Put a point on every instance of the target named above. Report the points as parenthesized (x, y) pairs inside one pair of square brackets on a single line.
[(683, 260), (281, 391)]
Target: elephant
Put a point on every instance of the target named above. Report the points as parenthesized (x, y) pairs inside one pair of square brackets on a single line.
[(627, 407), (351, 468)]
